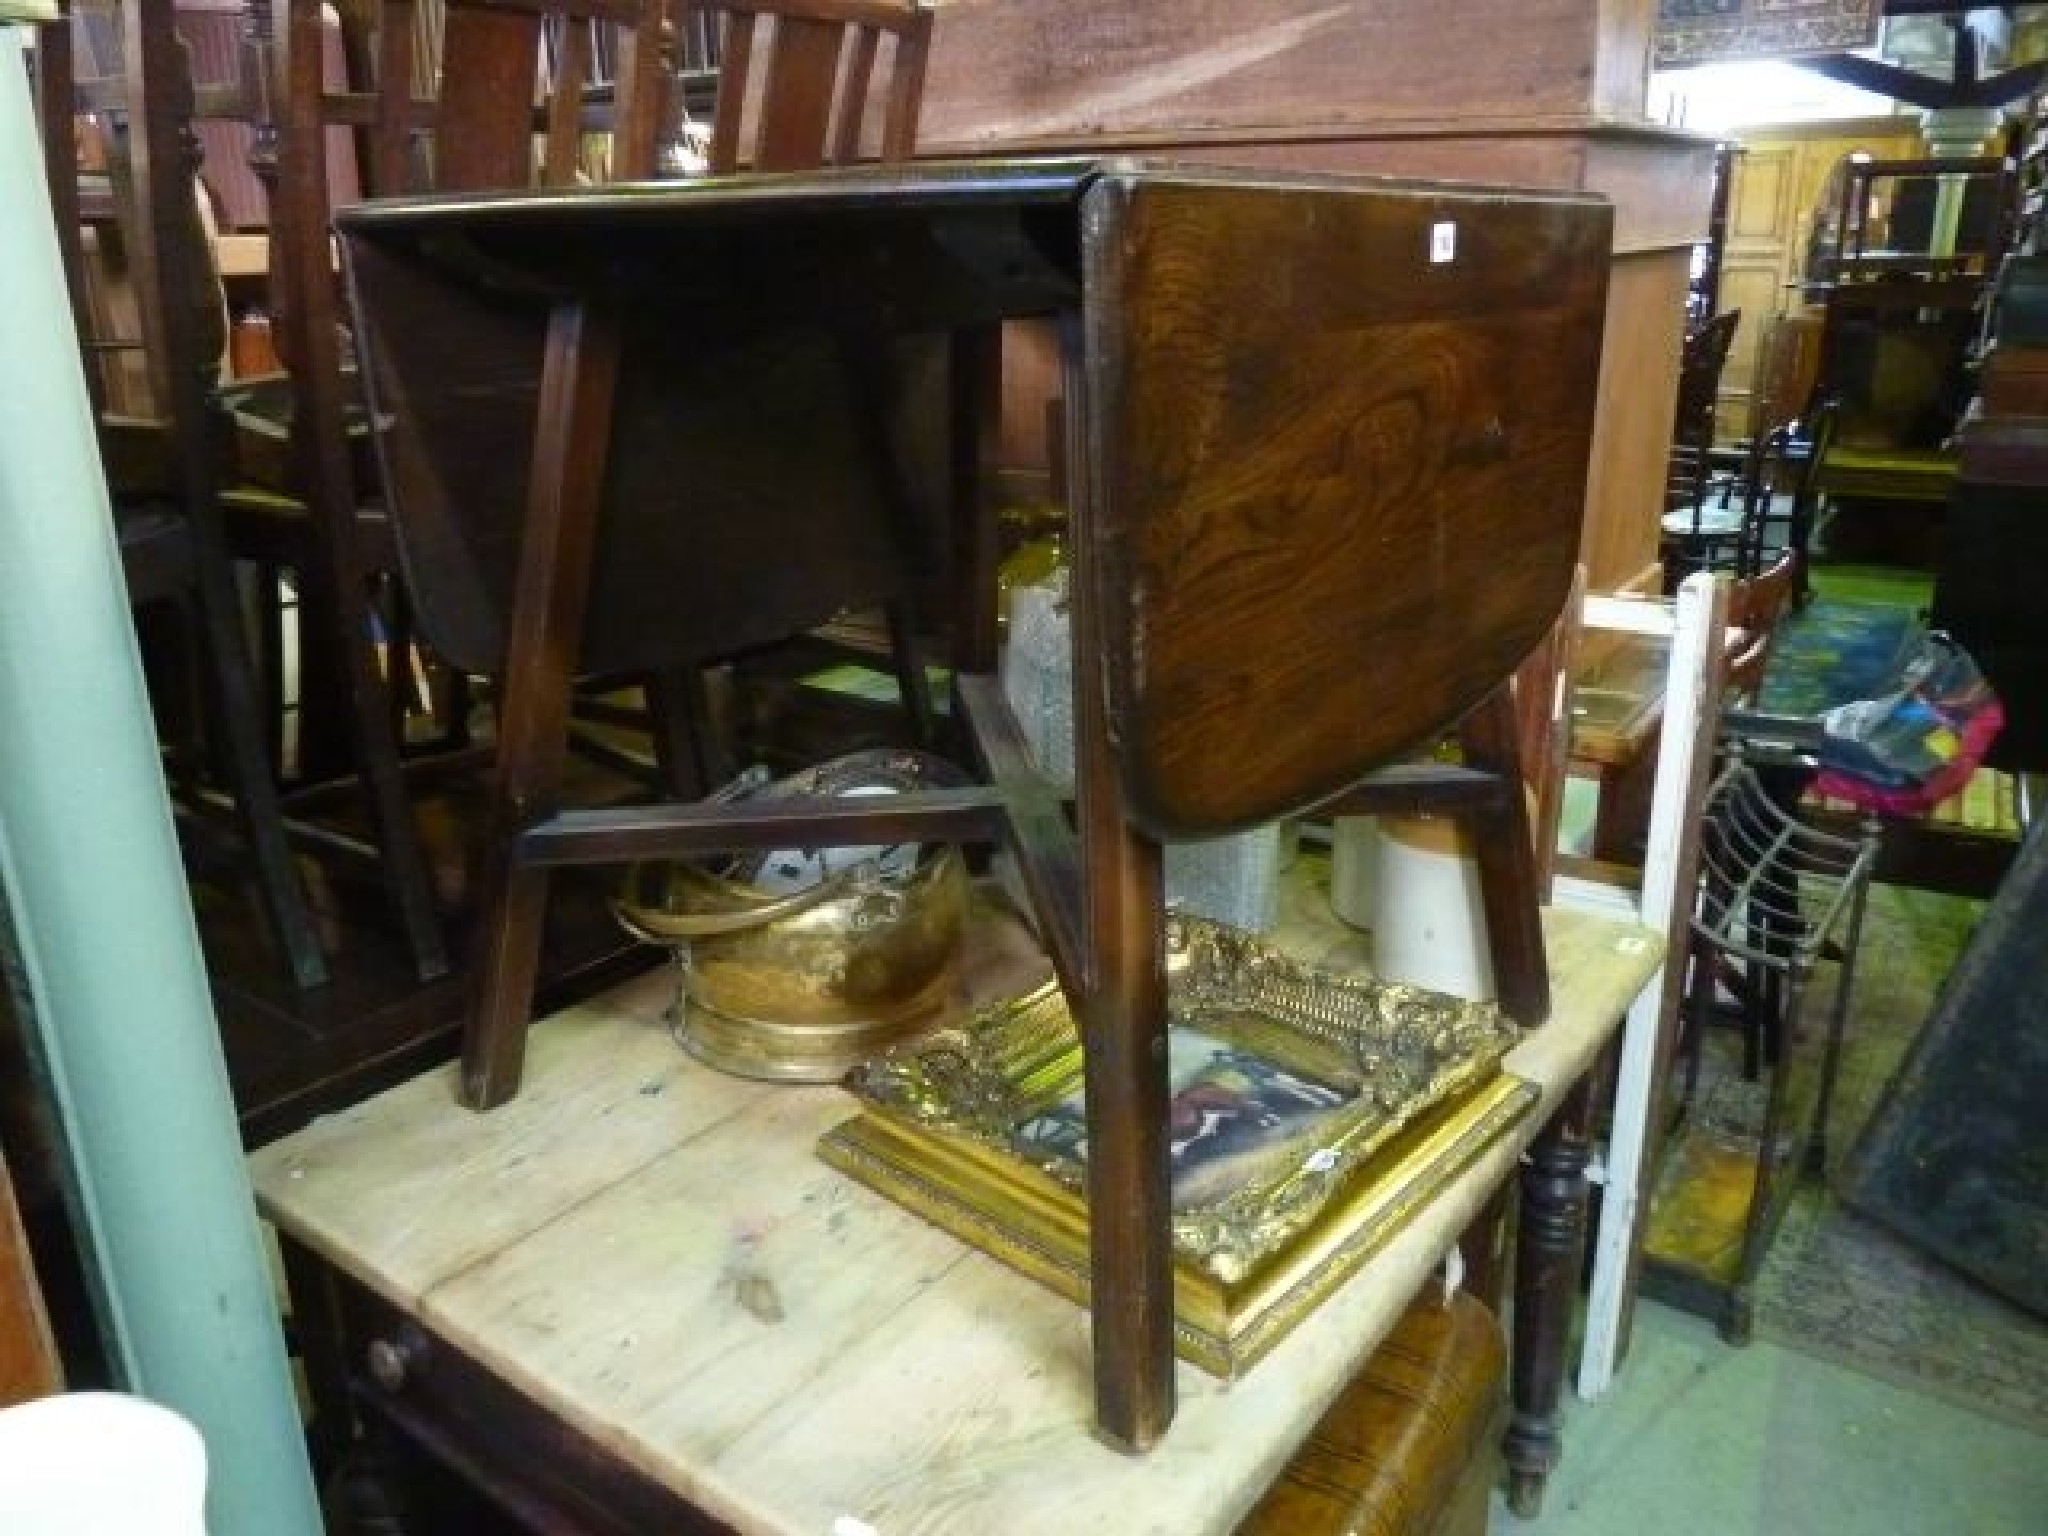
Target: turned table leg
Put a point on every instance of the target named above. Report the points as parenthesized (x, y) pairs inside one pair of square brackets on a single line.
[(1550, 1237)]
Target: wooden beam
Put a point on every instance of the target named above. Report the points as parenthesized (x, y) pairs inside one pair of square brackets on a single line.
[(1916, 89)]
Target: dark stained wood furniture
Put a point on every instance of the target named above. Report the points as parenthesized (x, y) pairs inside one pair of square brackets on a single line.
[(164, 469), (480, 131), (1894, 358), (1284, 496), (1697, 519), (815, 61), (803, 84), (295, 1053), (818, 60)]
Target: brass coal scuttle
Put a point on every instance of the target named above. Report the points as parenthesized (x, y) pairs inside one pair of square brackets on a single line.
[(799, 963)]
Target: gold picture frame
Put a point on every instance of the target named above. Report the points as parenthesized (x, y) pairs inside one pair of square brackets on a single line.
[(1313, 1113)]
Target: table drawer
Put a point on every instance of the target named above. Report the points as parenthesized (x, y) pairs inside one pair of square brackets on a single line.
[(442, 1405)]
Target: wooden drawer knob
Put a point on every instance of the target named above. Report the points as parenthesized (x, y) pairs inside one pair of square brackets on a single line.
[(395, 1360)]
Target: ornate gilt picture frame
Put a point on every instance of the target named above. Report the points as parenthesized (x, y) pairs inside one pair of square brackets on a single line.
[(1312, 1111)]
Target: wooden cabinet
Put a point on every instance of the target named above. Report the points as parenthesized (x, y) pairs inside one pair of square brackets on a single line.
[(1553, 99), (1009, 73)]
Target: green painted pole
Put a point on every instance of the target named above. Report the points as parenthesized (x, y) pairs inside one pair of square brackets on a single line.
[(103, 929)]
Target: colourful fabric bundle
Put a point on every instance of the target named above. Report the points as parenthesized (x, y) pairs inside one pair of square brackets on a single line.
[(1912, 746)]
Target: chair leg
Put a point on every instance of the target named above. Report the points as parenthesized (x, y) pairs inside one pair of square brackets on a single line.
[(249, 769), (324, 742), (382, 774), (1507, 864), (175, 661), (340, 653), (873, 387)]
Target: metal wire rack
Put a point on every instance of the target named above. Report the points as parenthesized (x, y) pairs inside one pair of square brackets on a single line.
[(1776, 897), (1773, 889)]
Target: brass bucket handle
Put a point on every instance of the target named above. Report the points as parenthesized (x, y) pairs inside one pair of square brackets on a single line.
[(656, 927)]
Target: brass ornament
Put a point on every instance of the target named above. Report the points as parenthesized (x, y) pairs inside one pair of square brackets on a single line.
[(801, 984)]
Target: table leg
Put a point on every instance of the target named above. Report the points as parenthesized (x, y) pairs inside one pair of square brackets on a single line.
[(1550, 1237), (578, 379), (1124, 1027)]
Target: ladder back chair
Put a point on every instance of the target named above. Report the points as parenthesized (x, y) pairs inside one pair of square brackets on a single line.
[(804, 84), (817, 61), (318, 518), (1811, 439), (494, 52), (391, 112), (1696, 523), (163, 469), (491, 46)]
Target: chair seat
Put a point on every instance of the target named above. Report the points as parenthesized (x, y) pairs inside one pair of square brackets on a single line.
[(1408, 1447), (269, 526), (260, 410)]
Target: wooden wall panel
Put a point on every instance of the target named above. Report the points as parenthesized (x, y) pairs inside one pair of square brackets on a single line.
[(1780, 181), (1760, 196), (1621, 65), (1757, 289)]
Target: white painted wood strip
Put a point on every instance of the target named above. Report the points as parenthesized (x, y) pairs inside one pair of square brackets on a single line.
[(1584, 895), (1629, 615), (1691, 707)]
